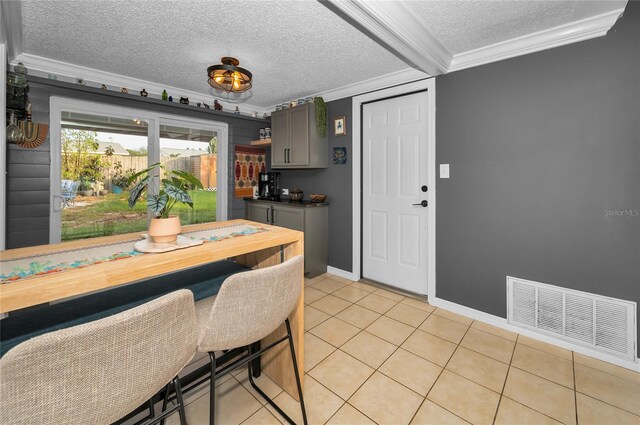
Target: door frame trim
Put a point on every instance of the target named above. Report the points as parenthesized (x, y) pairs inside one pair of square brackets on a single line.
[(430, 86)]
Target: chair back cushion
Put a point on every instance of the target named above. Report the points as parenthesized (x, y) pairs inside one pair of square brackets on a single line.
[(98, 372), (251, 305)]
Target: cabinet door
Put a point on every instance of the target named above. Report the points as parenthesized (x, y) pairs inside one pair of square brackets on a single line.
[(280, 137), (259, 212), (289, 217), (299, 136)]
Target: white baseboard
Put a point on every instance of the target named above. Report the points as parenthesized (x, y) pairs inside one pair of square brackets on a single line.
[(340, 272), (502, 323)]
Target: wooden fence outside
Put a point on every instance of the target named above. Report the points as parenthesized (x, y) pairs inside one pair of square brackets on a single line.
[(204, 167)]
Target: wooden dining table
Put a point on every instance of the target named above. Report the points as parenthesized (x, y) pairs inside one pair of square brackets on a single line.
[(269, 246)]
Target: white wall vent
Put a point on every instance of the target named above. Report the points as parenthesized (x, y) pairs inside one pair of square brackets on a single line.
[(601, 323)]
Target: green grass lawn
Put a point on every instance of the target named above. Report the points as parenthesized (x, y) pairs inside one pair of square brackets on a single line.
[(111, 215)]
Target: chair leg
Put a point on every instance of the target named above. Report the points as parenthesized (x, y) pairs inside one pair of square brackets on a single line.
[(180, 401), (212, 390), (295, 370), (165, 401)]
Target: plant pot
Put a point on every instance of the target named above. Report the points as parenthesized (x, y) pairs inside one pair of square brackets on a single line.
[(116, 189), (165, 230), (104, 192), (86, 192)]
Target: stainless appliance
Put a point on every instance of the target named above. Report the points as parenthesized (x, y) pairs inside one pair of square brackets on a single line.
[(269, 186)]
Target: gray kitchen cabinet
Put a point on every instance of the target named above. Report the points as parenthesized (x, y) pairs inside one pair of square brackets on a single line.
[(289, 217), (295, 142), (259, 212), (312, 219)]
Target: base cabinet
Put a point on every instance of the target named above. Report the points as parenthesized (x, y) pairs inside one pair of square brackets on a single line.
[(312, 220)]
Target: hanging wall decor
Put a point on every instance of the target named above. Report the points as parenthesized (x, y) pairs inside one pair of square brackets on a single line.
[(249, 162), (340, 155), (33, 134), (340, 126)]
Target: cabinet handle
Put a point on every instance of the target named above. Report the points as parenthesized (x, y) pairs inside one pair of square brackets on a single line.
[(286, 155), (267, 214)]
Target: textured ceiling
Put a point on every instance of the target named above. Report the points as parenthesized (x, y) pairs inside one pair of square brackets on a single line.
[(293, 48), (466, 25)]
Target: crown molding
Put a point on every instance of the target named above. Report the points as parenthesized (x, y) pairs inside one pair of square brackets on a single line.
[(11, 27), (394, 25), (573, 32), (41, 66)]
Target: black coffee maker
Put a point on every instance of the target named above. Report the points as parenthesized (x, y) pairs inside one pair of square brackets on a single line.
[(269, 186)]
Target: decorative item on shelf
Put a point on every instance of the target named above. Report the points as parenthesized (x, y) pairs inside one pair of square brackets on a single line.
[(33, 134), (317, 198), (81, 81), (103, 87), (17, 87), (296, 195), (278, 107), (20, 69), (124, 90), (308, 100), (321, 116), (14, 134), (206, 106), (173, 189), (237, 111), (263, 134), (53, 77), (216, 105), (267, 133), (340, 126), (165, 95), (198, 104), (264, 116), (254, 114), (229, 77), (293, 104), (184, 100), (340, 155), (170, 98), (144, 93)]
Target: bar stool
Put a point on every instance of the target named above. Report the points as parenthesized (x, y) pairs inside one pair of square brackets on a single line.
[(98, 372), (250, 306)]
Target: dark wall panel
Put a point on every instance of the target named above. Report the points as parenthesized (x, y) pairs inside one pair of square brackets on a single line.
[(335, 182), (545, 171)]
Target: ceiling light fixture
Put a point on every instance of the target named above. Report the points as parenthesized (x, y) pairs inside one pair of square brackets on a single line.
[(229, 77)]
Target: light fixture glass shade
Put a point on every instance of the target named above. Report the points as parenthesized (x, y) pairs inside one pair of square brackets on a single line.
[(229, 77)]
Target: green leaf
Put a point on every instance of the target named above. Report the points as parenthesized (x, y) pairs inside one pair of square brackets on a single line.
[(189, 177), (157, 203), (137, 190), (145, 171), (178, 194)]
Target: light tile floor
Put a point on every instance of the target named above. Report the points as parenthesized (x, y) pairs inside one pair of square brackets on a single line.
[(375, 356)]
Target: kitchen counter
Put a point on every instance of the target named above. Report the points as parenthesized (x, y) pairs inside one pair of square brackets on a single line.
[(302, 204)]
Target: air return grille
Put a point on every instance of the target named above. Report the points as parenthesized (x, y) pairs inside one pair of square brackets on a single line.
[(601, 323)]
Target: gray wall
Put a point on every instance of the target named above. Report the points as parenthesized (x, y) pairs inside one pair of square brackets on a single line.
[(335, 182), (28, 183), (28, 169), (541, 147)]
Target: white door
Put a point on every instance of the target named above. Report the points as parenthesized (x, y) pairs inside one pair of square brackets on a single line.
[(394, 178)]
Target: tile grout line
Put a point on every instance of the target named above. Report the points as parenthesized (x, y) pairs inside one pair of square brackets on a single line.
[(575, 386), (426, 397), (506, 377)]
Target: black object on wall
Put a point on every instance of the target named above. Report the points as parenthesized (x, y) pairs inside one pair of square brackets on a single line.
[(545, 171), (28, 169), (335, 182)]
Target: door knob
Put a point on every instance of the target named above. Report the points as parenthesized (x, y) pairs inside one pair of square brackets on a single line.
[(423, 204)]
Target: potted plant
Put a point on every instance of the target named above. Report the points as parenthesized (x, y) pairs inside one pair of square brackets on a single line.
[(164, 227), (85, 188)]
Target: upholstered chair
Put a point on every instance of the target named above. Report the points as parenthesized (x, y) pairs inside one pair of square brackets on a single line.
[(98, 372), (250, 306)]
